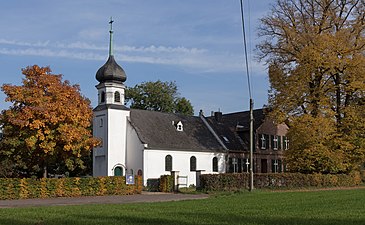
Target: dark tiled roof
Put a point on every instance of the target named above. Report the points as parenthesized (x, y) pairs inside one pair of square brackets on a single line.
[(156, 129), (110, 106), (233, 128), (111, 71)]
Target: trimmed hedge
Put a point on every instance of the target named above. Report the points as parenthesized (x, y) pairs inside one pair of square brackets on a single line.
[(166, 183), (233, 182), (15, 188)]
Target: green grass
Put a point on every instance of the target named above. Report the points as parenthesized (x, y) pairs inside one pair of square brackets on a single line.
[(343, 207)]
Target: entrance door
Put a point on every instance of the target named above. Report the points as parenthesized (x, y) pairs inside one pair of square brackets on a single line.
[(263, 165), (118, 171)]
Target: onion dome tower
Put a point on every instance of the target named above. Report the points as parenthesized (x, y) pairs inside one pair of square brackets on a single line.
[(110, 121), (111, 77)]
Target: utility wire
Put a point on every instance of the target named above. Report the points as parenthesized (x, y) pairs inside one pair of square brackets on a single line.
[(245, 48)]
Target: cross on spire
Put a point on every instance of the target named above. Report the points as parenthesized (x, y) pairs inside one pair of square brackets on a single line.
[(111, 37)]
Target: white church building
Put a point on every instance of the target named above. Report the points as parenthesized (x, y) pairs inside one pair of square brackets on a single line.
[(148, 143), (151, 144)]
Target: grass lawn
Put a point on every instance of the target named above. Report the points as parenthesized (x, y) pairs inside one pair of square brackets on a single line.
[(343, 207)]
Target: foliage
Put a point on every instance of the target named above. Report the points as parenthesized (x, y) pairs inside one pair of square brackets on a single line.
[(48, 123), (257, 208), (158, 96), (315, 52), (237, 181), (166, 183), (16, 188)]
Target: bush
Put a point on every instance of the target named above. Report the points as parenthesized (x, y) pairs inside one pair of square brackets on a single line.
[(166, 183), (233, 182), (14, 188)]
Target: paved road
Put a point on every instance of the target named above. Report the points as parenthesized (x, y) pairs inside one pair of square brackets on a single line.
[(144, 197)]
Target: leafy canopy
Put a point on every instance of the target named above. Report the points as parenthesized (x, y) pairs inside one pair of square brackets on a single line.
[(315, 52), (48, 123), (158, 96)]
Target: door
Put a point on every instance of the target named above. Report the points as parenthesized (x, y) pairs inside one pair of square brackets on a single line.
[(263, 165)]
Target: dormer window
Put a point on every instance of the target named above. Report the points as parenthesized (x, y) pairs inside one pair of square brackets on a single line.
[(116, 96), (179, 126)]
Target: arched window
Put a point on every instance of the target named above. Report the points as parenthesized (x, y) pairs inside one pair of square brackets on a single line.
[(118, 171), (215, 164), (116, 96), (102, 97), (168, 163), (193, 163)]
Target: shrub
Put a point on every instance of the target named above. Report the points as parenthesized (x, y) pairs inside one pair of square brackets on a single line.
[(233, 182), (166, 183), (14, 188)]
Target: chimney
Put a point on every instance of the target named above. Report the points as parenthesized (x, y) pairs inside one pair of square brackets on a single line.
[(218, 116)]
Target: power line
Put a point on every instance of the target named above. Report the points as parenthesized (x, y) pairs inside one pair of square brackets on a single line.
[(245, 49)]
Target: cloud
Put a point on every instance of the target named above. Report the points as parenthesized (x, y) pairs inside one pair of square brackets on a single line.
[(190, 59)]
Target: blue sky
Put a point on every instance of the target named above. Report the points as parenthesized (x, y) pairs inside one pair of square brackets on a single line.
[(198, 44)]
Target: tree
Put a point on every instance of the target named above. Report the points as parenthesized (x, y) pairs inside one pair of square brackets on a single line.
[(48, 123), (158, 96), (315, 52)]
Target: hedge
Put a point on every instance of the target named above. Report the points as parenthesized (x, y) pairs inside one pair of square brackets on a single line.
[(16, 188), (166, 183), (232, 182)]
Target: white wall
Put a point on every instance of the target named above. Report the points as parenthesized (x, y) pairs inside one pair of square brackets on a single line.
[(134, 153), (154, 163), (117, 123), (100, 152)]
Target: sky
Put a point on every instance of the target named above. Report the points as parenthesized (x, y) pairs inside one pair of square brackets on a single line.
[(197, 44)]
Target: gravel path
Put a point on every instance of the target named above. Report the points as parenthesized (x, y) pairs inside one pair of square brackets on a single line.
[(115, 199)]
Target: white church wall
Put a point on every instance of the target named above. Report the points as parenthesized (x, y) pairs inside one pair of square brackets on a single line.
[(117, 122), (100, 152), (154, 164), (134, 153)]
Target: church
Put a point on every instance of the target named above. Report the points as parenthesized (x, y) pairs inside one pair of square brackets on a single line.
[(151, 144)]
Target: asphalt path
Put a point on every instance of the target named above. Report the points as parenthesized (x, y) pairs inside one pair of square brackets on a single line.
[(114, 199)]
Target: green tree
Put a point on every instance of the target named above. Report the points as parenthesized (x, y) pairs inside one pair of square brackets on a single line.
[(315, 52), (48, 123), (158, 96)]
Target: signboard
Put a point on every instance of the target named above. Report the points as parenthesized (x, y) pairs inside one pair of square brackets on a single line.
[(129, 179)]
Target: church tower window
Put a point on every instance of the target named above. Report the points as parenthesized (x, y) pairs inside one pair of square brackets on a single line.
[(117, 96), (102, 97)]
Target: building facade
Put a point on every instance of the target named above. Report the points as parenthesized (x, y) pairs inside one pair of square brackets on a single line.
[(152, 144)]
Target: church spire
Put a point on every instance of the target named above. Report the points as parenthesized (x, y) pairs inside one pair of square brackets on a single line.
[(111, 37), (111, 71)]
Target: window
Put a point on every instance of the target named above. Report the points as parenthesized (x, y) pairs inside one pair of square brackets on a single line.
[(101, 122), (246, 165), (274, 142), (276, 166), (118, 171), (264, 141), (279, 143), (285, 143), (102, 97), (215, 164), (179, 126), (168, 163), (116, 96), (193, 163)]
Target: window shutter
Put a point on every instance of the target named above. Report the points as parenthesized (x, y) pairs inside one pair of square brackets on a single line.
[(279, 142), (260, 141)]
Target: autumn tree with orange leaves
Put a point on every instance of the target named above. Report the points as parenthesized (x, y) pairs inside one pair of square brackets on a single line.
[(48, 123)]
